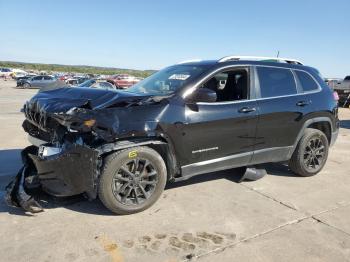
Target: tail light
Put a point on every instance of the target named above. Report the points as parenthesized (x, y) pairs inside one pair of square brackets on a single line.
[(335, 96)]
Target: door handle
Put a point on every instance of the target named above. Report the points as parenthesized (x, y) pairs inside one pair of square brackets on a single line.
[(246, 109), (303, 103)]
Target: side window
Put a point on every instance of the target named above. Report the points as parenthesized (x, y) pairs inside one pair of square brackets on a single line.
[(306, 81), (47, 78), (37, 78), (276, 82), (230, 85)]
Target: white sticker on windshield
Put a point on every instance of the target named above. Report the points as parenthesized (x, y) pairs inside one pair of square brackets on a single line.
[(179, 77)]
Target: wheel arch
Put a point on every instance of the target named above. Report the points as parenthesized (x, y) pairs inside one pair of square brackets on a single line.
[(324, 124), (161, 144)]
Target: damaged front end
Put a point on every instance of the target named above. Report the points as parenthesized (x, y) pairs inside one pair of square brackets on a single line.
[(67, 171), (68, 127)]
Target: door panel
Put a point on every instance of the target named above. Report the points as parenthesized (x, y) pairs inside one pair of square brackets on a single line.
[(280, 117), (220, 130), (279, 122)]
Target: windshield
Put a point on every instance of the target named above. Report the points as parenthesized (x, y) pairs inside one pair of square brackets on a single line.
[(168, 80)]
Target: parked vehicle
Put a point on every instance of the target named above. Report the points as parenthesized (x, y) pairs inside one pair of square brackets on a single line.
[(343, 90), (123, 81), (21, 80), (39, 81), (17, 73), (185, 120), (96, 83), (333, 82), (5, 72)]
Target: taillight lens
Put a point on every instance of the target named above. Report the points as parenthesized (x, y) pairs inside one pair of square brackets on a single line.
[(335, 96)]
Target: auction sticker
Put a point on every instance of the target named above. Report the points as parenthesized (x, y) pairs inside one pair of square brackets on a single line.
[(179, 77)]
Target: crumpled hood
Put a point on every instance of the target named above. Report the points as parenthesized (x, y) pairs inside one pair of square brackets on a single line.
[(66, 110), (63, 99)]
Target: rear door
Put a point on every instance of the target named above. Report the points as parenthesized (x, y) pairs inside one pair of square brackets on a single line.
[(282, 107), (36, 81)]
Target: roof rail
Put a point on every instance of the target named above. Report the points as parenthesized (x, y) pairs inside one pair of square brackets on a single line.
[(189, 61), (260, 58)]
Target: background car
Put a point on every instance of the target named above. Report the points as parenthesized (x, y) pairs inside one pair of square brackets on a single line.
[(95, 83), (5, 72), (333, 82), (22, 79), (16, 73), (123, 81), (343, 90), (43, 82)]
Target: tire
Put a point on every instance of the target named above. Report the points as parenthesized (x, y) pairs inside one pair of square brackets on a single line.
[(120, 186), (26, 85), (300, 162)]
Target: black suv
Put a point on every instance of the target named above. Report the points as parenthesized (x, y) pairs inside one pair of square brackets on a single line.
[(185, 120)]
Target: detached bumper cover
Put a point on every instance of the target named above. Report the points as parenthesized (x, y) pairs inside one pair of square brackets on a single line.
[(70, 172)]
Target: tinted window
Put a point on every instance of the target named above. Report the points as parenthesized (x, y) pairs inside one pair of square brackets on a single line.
[(347, 78), (229, 86), (37, 78), (47, 78), (306, 81), (276, 82)]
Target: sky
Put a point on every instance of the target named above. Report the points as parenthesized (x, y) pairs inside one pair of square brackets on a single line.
[(156, 33)]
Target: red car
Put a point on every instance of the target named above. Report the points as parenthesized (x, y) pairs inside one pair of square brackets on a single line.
[(123, 81)]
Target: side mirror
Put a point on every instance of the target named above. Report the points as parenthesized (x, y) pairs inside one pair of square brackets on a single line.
[(203, 95)]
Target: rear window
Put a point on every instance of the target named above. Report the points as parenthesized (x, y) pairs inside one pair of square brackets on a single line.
[(276, 82), (306, 81)]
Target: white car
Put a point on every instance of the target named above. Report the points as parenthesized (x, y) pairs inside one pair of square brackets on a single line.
[(16, 73)]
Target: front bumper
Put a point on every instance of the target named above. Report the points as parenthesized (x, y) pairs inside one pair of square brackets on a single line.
[(72, 171)]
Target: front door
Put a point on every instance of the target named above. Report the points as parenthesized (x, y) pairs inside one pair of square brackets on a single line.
[(221, 134)]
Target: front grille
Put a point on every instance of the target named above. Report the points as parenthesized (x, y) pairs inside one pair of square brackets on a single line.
[(36, 118)]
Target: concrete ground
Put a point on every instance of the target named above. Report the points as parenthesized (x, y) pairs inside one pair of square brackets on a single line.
[(208, 218)]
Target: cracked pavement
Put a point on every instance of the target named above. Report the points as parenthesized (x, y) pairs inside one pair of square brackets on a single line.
[(281, 217)]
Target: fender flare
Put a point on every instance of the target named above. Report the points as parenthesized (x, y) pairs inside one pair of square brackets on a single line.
[(305, 125), (171, 161)]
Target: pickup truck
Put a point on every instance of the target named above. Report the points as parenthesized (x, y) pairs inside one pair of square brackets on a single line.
[(343, 90)]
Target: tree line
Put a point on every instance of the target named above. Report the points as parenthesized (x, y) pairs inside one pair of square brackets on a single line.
[(75, 69)]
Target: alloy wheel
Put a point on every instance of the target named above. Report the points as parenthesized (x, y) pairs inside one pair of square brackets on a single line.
[(314, 154), (134, 182)]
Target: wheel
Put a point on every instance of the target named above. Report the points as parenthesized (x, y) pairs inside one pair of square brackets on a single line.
[(26, 85), (310, 154), (132, 180)]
